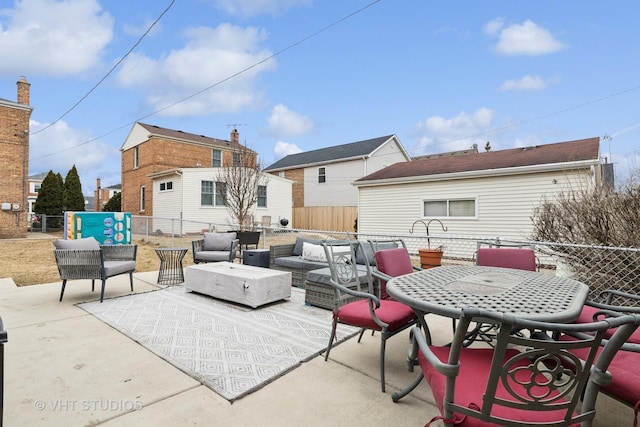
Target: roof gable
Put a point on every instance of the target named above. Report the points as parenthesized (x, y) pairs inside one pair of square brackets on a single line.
[(330, 154), (562, 152)]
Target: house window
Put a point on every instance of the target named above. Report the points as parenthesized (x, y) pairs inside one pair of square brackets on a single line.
[(216, 159), (262, 196), (36, 187), (221, 193), (281, 174), (236, 160), (166, 186), (462, 208), (142, 201), (212, 194), (321, 175), (135, 157)]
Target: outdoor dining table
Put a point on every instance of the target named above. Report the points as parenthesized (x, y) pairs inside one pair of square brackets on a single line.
[(530, 295)]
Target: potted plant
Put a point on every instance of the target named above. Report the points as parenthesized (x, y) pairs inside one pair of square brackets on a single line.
[(430, 258)]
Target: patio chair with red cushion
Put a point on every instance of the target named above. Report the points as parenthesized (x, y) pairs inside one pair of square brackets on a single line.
[(523, 381), (625, 384), (391, 262), (366, 311)]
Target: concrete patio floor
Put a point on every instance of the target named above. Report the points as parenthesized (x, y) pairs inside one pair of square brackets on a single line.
[(63, 366)]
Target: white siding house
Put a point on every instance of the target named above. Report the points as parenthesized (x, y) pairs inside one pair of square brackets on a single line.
[(491, 194), (327, 173), (178, 194)]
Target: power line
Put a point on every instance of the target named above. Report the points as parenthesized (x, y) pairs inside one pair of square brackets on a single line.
[(280, 52), (109, 72)]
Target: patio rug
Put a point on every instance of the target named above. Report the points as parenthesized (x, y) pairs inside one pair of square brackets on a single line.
[(232, 349)]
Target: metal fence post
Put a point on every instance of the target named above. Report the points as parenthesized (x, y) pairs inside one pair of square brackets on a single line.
[(3, 339)]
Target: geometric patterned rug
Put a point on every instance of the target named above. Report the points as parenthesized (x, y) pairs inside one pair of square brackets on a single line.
[(232, 349)]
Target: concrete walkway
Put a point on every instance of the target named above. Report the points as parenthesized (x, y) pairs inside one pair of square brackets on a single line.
[(64, 367)]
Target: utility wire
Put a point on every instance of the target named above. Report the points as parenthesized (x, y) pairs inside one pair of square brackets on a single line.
[(109, 72), (262, 61)]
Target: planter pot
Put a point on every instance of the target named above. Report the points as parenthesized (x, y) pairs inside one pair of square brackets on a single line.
[(430, 258)]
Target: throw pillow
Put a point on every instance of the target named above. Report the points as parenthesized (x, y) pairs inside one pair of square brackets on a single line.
[(218, 241), (85, 243), (313, 252), (297, 249)]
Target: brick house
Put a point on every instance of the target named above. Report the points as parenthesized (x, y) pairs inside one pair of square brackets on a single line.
[(149, 149), (14, 155), (102, 195)]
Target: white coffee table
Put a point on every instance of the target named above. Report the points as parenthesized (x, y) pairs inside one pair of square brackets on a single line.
[(243, 284)]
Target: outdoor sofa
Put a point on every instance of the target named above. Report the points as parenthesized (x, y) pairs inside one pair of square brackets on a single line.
[(308, 271)]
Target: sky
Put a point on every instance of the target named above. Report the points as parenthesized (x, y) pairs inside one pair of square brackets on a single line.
[(298, 75)]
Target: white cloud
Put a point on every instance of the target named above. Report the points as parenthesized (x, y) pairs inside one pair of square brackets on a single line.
[(493, 27), (248, 8), (282, 149), (49, 37), (438, 134), (59, 148), (210, 57), (525, 84), (285, 123), (527, 38)]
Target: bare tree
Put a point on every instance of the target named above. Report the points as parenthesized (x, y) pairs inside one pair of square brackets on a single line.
[(244, 185)]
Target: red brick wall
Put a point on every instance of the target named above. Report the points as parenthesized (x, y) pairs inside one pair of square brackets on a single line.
[(14, 158)]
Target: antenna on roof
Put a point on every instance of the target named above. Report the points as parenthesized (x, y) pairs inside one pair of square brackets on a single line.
[(235, 125)]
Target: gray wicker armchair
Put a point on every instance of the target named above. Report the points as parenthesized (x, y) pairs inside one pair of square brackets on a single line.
[(86, 259)]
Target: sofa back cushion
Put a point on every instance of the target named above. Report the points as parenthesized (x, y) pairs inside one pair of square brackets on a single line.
[(85, 243), (297, 248), (218, 241)]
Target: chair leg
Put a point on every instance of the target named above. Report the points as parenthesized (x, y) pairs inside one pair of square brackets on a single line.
[(361, 334), (383, 343), (64, 283), (104, 282), (331, 338), (131, 280), (93, 285)]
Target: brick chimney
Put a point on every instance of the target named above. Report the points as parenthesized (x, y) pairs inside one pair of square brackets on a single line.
[(235, 136), (23, 91)]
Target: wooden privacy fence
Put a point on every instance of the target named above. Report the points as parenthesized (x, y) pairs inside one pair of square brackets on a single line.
[(334, 218)]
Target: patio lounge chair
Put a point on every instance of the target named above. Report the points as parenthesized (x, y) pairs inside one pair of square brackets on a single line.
[(523, 380), (86, 259), (368, 312), (215, 247)]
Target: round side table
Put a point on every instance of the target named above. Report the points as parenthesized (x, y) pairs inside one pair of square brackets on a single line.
[(171, 271)]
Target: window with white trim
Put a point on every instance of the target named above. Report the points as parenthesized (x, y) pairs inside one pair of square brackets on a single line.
[(166, 186), (216, 159), (135, 157), (212, 193), (322, 176), (262, 196), (142, 198), (450, 208)]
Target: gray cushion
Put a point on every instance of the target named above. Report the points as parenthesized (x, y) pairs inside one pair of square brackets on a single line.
[(212, 256), (298, 263), (112, 268), (218, 241), (297, 249), (323, 275), (86, 243)]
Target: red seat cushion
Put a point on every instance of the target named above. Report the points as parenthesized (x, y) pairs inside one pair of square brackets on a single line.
[(519, 258), (586, 316), (624, 369), (471, 384), (393, 313), (394, 263)]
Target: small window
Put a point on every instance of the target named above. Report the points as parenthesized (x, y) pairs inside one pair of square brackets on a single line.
[(464, 208), (281, 174), (216, 159), (321, 175), (142, 199), (221, 193), (166, 186), (237, 161), (36, 187), (206, 193), (262, 196), (135, 157)]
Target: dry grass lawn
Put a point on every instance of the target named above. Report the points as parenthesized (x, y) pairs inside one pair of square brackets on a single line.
[(30, 261)]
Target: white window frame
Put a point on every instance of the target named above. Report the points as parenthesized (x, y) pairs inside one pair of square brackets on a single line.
[(448, 207), (322, 175), (166, 186), (135, 157), (262, 197), (213, 158), (215, 196), (142, 198)]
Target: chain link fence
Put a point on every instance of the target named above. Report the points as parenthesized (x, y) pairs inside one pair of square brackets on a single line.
[(600, 267)]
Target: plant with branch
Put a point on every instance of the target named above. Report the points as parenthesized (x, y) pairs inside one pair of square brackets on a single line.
[(243, 180)]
